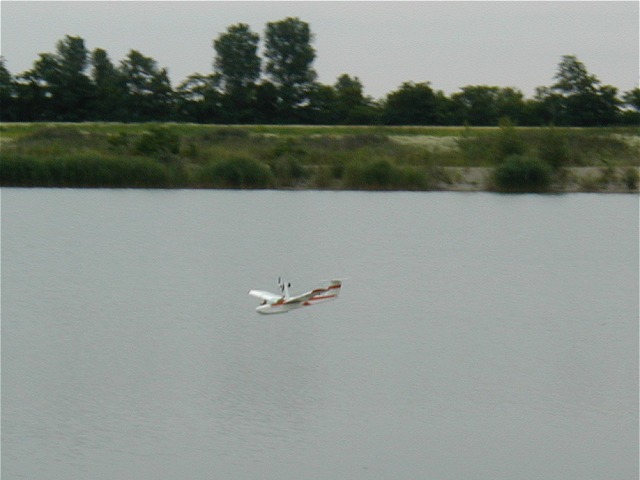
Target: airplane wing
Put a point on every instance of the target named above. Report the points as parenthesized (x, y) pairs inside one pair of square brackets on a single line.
[(317, 294), (300, 298), (268, 296)]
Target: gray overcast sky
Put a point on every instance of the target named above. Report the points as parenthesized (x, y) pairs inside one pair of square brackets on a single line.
[(450, 44)]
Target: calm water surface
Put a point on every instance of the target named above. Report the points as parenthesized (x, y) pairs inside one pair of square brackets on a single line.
[(478, 336)]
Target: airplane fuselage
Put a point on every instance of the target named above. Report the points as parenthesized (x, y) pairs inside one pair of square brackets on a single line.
[(273, 304)]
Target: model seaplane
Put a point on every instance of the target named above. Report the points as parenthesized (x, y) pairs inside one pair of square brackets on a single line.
[(282, 303)]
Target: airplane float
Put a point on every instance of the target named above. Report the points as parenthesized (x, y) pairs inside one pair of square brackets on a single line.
[(274, 303)]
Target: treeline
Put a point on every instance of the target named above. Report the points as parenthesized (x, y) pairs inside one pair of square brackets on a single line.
[(74, 85)]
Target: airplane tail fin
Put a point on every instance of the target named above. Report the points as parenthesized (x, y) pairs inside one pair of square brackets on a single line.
[(335, 286)]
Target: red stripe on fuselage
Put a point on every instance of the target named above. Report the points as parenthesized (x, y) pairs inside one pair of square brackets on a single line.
[(313, 299)]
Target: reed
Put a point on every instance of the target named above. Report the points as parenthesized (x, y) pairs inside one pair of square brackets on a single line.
[(83, 171)]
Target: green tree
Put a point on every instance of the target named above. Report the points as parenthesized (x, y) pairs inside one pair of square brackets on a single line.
[(237, 61), (110, 89), (323, 107), (32, 99), (477, 105), (199, 100), (549, 107), (632, 99), (8, 93), (267, 107), (510, 104), (353, 107), (149, 92), (62, 81), (238, 66), (584, 101), (411, 104), (289, 58)]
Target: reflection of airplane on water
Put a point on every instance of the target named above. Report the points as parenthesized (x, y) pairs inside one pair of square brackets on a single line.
[(274, 303)]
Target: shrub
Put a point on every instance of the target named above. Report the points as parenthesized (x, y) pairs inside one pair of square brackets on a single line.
[(554, 148), (383, 175), (222, 134), (477, 150), (631, 178), (369, 174), (352, 142), (287, 170), (158, 142), (119, 140), (412, 178), (509, 142), (323, 177), (288, 147), (53, 134), (522, 174), (236, 173)]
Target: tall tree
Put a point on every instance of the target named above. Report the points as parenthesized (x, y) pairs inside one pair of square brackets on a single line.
[(149, 92), (477, 105), (322, 107), (352, 106), (110, 88), (549, 107), (267, 108), (238, 66), (63, 82), (8, 93), (510, 104), (237, 61), (289, 58), (632, 99), (199, 100), (631, 115), (411, 104), (584, 101)]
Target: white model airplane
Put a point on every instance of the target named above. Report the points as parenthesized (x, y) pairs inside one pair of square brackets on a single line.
[(273, 303)]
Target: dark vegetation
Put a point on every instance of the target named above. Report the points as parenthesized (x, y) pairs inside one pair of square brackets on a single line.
[(76, 85), (361, 158), (519, 174)]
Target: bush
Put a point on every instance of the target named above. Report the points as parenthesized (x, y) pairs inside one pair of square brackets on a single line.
[(383, 175), (353, 142), (477, 150), (554, 148), (523, 174), (56, 133), (236, 173), (119, 140), (509, 142), (368, 174), (158, 142), (323, 177), (412, 178), (222, 134), (631, 178), (287, 170)]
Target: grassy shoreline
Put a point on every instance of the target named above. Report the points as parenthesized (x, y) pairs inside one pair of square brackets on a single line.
[(175, 155)]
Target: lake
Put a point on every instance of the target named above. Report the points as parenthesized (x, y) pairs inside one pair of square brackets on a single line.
[(477, 336)]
